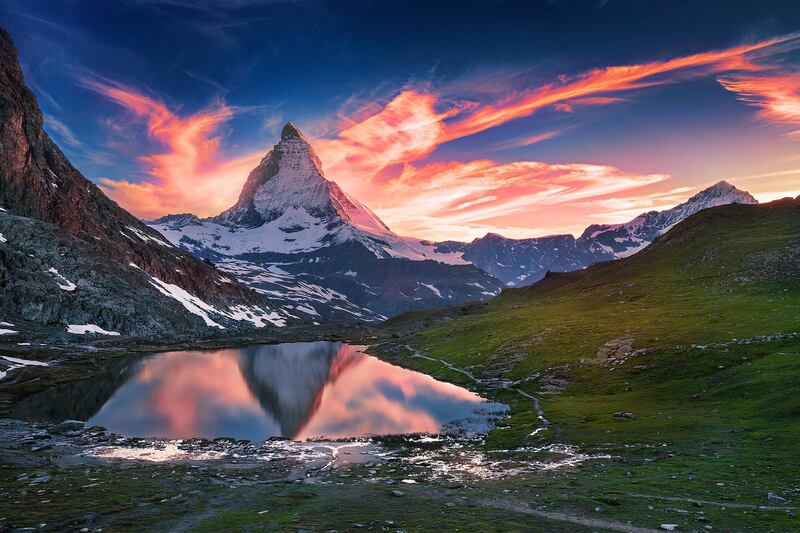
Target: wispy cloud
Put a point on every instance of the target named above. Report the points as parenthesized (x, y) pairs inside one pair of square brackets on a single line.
[(380, 151), (622, 209), (191, 175), (62, 132), (526, 140), (603, 81), (465, 200), (777, 94)]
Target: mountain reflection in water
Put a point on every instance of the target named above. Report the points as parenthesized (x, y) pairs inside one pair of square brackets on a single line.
[(295, 390)]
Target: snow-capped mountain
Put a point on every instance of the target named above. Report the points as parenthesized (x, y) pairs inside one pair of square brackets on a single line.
[(622, 240), (292, 227), (519, 262), (287, 206)]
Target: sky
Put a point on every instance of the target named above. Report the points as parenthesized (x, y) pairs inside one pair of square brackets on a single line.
[(448, 119)]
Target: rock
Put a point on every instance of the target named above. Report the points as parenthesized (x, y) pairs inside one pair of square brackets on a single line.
[(398, 493), (624, 415), (63, 231), (69, 425), (771, 496), (669, 527)]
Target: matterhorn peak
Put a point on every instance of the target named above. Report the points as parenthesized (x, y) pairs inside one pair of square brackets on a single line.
[(290, 131), (290, 189)]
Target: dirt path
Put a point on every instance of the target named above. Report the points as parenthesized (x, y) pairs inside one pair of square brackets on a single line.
[(718, 504), (524, 508), (535, 401)]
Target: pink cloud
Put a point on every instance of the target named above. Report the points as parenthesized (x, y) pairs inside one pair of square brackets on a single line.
[(380, 153), (776, 94), (191, 175)]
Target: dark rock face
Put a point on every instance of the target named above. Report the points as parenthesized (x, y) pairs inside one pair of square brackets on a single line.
[(39, 183), (387, 286), (51, 278), (519, 262)]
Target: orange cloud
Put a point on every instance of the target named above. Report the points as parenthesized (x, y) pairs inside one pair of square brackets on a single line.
[(778, 96), (190, 176), (464, 200), (407, 129), (378, 155), (608, 80)]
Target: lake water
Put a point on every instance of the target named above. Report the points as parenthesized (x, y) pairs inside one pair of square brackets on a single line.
[(294, 390)]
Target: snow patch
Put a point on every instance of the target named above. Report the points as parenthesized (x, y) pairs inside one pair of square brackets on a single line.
[(24, 362), (306, 309), (83, 329), (7, 332), (191, 303), (253, 314), (147, 238), (3, 239), (19, 363), (64, 283), (433, 289)]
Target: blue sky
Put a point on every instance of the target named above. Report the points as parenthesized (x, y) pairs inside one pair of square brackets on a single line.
[(330, 66)]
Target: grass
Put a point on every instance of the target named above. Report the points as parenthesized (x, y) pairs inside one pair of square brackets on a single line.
[(719, 423)]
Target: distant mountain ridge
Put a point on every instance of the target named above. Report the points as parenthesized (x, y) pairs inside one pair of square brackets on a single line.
[(297, 237), (519, 262)]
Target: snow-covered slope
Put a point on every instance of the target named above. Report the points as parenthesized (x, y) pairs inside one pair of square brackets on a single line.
[(518, 262), (287, 206), (295, 235)]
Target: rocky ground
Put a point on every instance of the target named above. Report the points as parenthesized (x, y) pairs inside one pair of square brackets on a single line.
[(533, 473)]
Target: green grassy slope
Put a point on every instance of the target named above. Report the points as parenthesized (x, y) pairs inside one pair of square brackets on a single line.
[(717, 409), (728, 272)]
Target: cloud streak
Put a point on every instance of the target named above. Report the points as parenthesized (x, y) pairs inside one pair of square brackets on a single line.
[(776, 94), (191, 175), (609, 80), (384, 154)]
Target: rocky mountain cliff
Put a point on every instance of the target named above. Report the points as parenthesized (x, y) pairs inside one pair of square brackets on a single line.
[(70, 255), (293, 227)]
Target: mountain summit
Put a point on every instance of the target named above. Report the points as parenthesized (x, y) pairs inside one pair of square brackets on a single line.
[(297, 236), (622, 240), (289, 188), (287, 205)]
